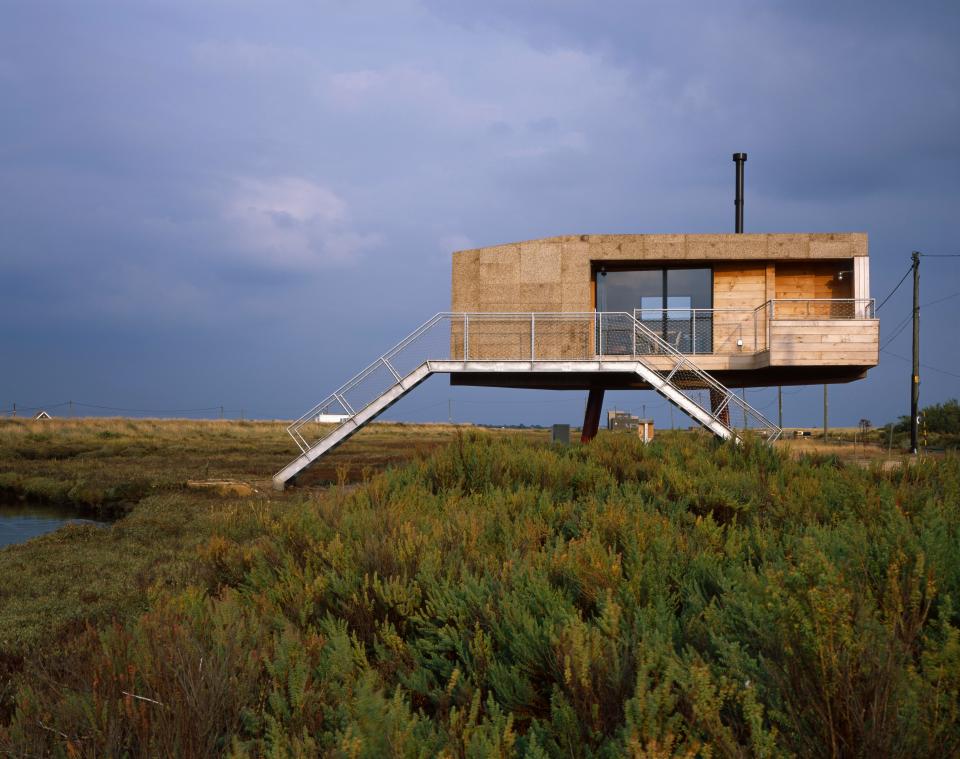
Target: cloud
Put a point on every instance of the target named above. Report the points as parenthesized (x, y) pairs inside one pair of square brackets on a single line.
[(293, 223), (240, 56), (170, 163)]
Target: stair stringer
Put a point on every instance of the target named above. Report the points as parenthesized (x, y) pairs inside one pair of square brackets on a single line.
[(655, 379), (688, 406), (352, 425)]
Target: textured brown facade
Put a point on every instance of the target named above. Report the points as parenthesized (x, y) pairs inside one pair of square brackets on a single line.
[(556, 273), (808, 342)]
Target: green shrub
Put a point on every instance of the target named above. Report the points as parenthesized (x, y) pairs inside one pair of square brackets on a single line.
[(500, 598)]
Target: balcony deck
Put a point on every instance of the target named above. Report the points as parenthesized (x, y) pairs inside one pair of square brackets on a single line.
[(781, 342)]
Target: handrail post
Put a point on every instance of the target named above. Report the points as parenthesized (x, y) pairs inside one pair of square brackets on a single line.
[(533, 317), (466, 336), (693, 332), (770, 327)]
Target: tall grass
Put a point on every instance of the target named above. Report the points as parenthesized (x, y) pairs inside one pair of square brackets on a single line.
[(501, 598)]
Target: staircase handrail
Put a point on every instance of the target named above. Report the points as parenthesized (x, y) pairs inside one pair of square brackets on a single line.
[(701, 374), (366, 371), (680, 360)]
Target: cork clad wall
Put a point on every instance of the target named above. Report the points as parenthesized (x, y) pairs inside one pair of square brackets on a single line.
[(558, 276), (555, 274)]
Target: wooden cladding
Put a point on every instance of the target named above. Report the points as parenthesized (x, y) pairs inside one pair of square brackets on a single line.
[(815, 342), (812, 280), (742, 287)]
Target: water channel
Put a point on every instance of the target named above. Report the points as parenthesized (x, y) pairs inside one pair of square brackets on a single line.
[(22, 520)]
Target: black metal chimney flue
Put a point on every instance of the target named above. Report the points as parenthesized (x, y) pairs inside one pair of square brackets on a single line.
[(739, 159)]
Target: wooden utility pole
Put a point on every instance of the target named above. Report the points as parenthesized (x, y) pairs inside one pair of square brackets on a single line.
[(780, 406), (915, 374)]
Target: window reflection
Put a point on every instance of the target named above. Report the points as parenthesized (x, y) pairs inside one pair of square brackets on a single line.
[(674, 303)]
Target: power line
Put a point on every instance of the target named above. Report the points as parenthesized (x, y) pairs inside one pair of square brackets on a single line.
[(47, 406), (38, 408), (907, 274), (939, 300), (925, 366), (890, 295), (149, 410), (903, 324), (897, 330)]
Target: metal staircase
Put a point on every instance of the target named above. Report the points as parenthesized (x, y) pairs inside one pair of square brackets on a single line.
[(600, 342)]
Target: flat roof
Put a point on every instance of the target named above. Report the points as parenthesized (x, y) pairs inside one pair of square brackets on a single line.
[(780, 245)]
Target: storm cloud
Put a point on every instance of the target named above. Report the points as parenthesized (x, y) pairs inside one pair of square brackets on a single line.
[(244, 202)]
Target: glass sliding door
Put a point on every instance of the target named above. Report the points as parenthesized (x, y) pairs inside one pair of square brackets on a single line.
[(689, 298), (673, 303), (621, 292)]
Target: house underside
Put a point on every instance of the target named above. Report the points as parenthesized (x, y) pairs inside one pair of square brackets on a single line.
[(590, 380)]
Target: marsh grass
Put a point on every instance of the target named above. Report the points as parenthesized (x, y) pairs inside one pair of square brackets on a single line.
[(137, 470), (503, 597)]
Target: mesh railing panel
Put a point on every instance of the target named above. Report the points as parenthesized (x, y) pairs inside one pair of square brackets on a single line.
[(564, 338), (432, 340), (694, 383), (499, 337), (618, 336), (821, 308), (376, 381), (706, 331), (435, 342)]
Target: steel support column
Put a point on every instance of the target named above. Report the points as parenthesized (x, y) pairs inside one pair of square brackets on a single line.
[(591, 417)]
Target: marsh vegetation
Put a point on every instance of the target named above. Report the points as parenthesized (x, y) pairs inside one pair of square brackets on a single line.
[(497, 596)]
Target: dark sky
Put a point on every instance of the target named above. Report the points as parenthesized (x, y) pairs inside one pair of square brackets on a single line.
[(243, 203)]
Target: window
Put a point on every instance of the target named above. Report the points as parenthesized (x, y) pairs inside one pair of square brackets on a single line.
[(674, 303)]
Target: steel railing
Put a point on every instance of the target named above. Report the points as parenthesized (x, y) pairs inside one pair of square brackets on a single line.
[(730, 331), (713, 331), (479, 337), (822, 308), (689, 379)]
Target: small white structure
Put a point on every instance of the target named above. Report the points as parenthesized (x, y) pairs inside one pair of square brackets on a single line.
[(331, 418), (645, 429), (41, 415)]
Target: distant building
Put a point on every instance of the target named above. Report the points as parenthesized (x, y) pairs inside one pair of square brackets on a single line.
[(622, 420), (41, 415)]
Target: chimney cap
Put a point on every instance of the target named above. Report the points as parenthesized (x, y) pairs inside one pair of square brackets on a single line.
[(739, 156)]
